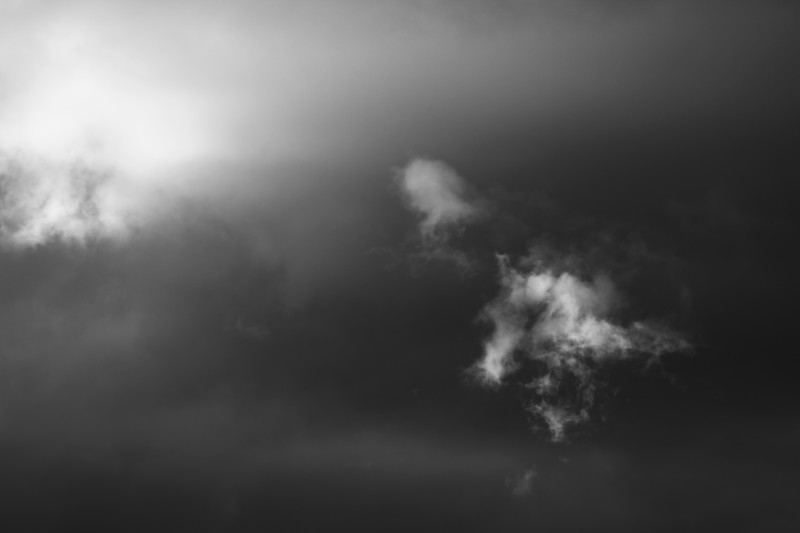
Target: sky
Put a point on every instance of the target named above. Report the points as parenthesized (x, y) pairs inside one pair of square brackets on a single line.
[(389, 265)]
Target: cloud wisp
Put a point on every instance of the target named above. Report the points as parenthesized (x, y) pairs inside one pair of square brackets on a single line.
[(444, 205), (562, 327), (521, 485), (439, 196)]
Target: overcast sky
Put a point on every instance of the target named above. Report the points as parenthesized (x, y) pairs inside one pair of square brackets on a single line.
[(383, 265)]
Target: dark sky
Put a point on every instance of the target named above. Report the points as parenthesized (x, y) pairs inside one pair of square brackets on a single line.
[(255, 258)]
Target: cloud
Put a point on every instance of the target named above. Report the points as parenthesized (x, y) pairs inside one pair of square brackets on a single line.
[(85, 143), (444, 205), (522, 484), (563, 327), (72, 202), (439, 196)]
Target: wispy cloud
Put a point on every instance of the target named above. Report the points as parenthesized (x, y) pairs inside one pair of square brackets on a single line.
[(563, 327), (522, 484), (439, 196), (444, 205)]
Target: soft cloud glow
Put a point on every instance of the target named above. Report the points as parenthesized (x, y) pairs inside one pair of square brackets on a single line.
[(83, 110), (239, 89)]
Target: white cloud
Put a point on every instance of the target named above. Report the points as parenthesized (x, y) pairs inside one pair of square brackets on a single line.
[(439, 195), (88, 134), (499, 349), (43, 200), (557, 418), (563, 324)]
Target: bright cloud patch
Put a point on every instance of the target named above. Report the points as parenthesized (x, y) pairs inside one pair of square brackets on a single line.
[(85, 129), (563, 327), (42, 201), (438, 195)]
